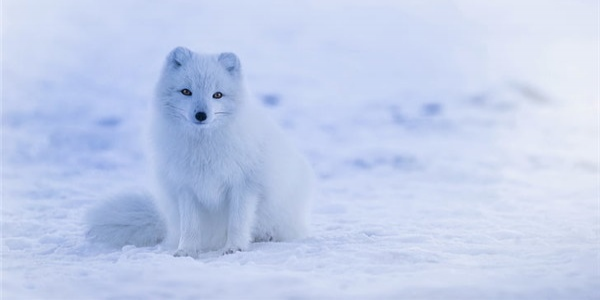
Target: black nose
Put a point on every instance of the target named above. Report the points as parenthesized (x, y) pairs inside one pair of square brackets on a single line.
[(201, 116)]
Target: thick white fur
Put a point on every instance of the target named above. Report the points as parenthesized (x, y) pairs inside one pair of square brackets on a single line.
[(231, 179)]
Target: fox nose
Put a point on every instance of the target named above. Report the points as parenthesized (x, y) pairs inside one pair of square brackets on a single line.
[(200, 116)]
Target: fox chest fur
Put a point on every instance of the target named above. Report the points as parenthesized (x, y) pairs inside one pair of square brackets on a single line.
[(208, 164)]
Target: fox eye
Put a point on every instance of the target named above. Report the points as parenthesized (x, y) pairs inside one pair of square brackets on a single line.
[(186, 92), (217, 95)]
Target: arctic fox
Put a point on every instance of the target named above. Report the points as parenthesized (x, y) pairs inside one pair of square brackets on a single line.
[(225, 174)]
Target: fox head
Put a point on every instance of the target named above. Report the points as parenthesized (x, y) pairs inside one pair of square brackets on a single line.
[(200, 89)]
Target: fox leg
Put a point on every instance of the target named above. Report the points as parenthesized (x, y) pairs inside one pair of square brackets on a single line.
[(242, 211), (190, 233)]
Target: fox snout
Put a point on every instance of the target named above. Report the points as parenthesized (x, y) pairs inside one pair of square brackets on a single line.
[(200, 116)]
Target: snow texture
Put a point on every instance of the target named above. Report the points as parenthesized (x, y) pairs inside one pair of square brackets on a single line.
[(456, 144)]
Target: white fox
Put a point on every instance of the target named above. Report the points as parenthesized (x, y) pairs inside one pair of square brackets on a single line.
[(226, 174)]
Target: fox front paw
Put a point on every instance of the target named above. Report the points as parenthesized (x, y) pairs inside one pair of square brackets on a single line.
[(228, 251), (185, 253)]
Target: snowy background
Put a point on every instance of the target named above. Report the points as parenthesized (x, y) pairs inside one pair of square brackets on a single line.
[(456, 144)]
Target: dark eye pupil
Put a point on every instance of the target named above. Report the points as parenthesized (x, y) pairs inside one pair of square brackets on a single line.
[(217, 95), (186, 92)]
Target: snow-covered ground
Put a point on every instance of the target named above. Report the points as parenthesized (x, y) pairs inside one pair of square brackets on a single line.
[(456, 142)]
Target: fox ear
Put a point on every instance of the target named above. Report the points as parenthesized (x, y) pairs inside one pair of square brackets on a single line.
[(230, 62), (178, 57)]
